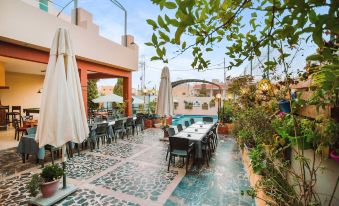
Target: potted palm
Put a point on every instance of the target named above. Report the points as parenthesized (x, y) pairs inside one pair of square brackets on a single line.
[(48, 181)]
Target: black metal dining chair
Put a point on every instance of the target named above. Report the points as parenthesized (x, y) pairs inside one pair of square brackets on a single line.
[(207, 119), (171, 133), (101, 132), (129, 126), (180, 147), (179, 127), (187, 124), (192, 121), (139, 124), (119, 129)]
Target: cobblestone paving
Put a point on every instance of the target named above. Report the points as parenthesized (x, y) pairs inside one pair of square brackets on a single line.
[(120, 149), (13, 191), (87, 165), (85, 197), (133, 172), (141, 181)]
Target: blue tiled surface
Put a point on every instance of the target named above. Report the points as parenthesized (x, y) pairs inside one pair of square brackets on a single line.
[(220, 184)]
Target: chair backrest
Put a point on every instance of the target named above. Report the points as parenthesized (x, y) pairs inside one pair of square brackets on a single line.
[(6, 108), (171, 131), (16, 109), (139, 121), (179, 126), (130, 122), (187, 124), (207, 119), (109, 112), (101, 128), (15, 123), (98, 119), (119, 124), (110, 117), (31, 130), (177, 143), (192, 121)]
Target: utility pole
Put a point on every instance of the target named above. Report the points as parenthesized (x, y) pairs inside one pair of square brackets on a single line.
[(225, 76), (251, 64)]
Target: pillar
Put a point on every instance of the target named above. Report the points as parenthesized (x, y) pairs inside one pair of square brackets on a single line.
[(2, 74), (127, 94), (83, 82)]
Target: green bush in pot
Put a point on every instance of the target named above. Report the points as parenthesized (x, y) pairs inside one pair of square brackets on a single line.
[(49, 176)]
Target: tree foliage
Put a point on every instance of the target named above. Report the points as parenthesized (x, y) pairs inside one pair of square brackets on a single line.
[(118, 87), (92, 93), (266, 22)]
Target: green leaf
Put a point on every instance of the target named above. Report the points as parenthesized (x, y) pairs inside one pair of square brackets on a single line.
[(155, 58), (170, 5), (152, 23), (209, 49), (164, 36), (148, 44), (154, 39), (183, 46), (178, 34), (254, 14)]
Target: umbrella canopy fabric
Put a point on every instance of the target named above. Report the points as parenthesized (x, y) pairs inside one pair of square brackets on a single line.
[(165, 98), (62, 112), (136, 100), (109, 98)]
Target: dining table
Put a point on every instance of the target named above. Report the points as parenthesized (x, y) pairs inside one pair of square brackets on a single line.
[(195, 133), (28, 146), (93, 125)]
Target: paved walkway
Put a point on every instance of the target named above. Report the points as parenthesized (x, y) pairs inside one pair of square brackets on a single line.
[(134, 172)]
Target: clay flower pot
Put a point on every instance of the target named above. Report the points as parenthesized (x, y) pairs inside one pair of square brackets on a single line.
[(49, 188), (334, 156)]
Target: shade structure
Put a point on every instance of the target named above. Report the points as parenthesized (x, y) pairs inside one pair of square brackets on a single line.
[(62, 112), (136, 100), (109, 98), (165, 98)]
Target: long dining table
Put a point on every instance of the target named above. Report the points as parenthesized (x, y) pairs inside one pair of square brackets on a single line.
[(195, 133)]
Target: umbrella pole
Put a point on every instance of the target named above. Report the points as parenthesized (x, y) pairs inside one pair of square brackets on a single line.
[(64, 158)]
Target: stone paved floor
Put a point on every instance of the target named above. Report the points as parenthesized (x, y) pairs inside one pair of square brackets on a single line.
[(133, 172)]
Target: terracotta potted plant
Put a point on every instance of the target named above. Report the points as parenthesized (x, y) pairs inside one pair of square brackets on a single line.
[(48, 181)]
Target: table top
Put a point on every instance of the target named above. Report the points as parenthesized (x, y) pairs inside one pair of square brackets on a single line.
[(110, 122), (191, 133)]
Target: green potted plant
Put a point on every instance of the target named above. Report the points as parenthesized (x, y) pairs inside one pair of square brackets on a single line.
[(48, 181)]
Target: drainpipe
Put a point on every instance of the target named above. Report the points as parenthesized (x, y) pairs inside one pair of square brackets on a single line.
[(76, 12), (115, 2)]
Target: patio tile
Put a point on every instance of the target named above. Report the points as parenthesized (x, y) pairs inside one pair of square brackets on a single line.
[(13, 191), (85, 197), (147, 137), (220, 184), (11, 162), (139, 180), (120, 149), (87, 165)]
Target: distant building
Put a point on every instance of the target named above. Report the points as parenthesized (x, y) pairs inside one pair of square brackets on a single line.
[(105, 90), (198, 98)]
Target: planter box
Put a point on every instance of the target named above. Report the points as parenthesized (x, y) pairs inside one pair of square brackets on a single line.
[(148, 123), (225, 128), (253, 179)]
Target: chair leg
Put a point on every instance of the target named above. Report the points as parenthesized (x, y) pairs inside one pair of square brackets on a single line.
[(187, 162), (52, 154), (169, 162)]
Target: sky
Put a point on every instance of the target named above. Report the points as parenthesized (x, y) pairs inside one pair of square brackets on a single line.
[(111, 22)]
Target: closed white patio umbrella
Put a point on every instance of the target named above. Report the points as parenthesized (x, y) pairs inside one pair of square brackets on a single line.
[(62, 112), (109, 98), (165, 98)]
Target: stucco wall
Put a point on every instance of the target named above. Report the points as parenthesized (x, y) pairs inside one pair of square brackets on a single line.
[(23, 90), (196, 110), (24, 24), (326, 179)]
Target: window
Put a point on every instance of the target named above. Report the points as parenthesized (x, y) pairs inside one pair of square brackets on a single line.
[(205, 106), (176, 104), (43, 5)]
